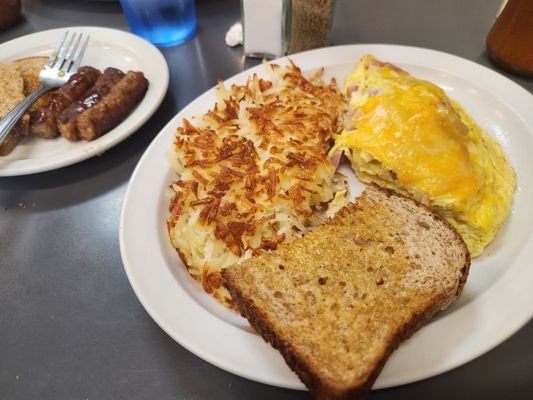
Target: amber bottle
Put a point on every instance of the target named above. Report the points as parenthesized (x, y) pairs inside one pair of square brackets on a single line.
[(510, 41), (9, 13)]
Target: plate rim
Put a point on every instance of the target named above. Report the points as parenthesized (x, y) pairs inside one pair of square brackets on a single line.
[(228, 366), (90, 149)]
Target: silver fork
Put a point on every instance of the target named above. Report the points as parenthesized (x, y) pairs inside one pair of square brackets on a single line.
[(63, 62)]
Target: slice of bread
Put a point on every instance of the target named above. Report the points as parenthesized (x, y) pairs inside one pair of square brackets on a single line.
[(12, 93), (338, 301), (29, 69)]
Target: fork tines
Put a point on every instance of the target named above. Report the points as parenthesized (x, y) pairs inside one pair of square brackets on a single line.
[(66, 57)]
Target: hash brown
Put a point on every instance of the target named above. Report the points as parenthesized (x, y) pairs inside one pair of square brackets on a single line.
[(253, 171)]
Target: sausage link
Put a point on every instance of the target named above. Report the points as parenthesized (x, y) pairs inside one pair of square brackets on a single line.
[(113, 107), (44, 120), (66, 122)]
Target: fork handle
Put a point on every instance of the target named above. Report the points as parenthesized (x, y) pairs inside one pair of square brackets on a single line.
[(11, 118)]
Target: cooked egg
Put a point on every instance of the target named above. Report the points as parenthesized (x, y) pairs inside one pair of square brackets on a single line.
[(405, 134)]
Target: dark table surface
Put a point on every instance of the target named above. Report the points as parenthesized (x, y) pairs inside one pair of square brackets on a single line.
[(70, 324)]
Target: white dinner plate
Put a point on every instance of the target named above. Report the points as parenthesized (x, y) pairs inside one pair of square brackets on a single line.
[(497, 299), (107, 48)]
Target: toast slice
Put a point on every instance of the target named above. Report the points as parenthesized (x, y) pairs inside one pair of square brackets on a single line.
[(338, 301), (12, 93), (29, 69)]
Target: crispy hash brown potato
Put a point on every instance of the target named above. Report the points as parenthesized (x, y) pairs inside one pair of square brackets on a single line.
[(253, 171)]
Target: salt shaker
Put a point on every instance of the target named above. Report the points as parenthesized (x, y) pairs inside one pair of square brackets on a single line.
[(265, 27)]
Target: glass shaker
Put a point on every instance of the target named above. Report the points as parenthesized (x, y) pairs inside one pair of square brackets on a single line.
[(311, 22), (265, 25), (274, 28)]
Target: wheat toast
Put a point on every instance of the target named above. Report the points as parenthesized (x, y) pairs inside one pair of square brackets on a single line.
[(29, 69), (12, 93), (338, 301)]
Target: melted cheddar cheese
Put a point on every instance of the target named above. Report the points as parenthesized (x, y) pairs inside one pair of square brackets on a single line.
[(406, 134)]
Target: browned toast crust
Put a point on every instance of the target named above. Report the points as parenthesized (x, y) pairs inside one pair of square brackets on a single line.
[(270, 329), (308, 376), (18, 132), (12, 93)]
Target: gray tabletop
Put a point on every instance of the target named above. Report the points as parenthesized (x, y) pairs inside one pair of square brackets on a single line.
[(70, 324)]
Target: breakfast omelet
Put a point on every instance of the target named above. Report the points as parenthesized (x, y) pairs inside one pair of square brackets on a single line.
[(405, 134)]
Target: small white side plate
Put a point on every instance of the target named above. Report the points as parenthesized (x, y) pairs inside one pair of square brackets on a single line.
[(497, 299), (107, 48)]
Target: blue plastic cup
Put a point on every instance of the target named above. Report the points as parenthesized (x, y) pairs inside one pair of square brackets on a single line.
[(162, 22)]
